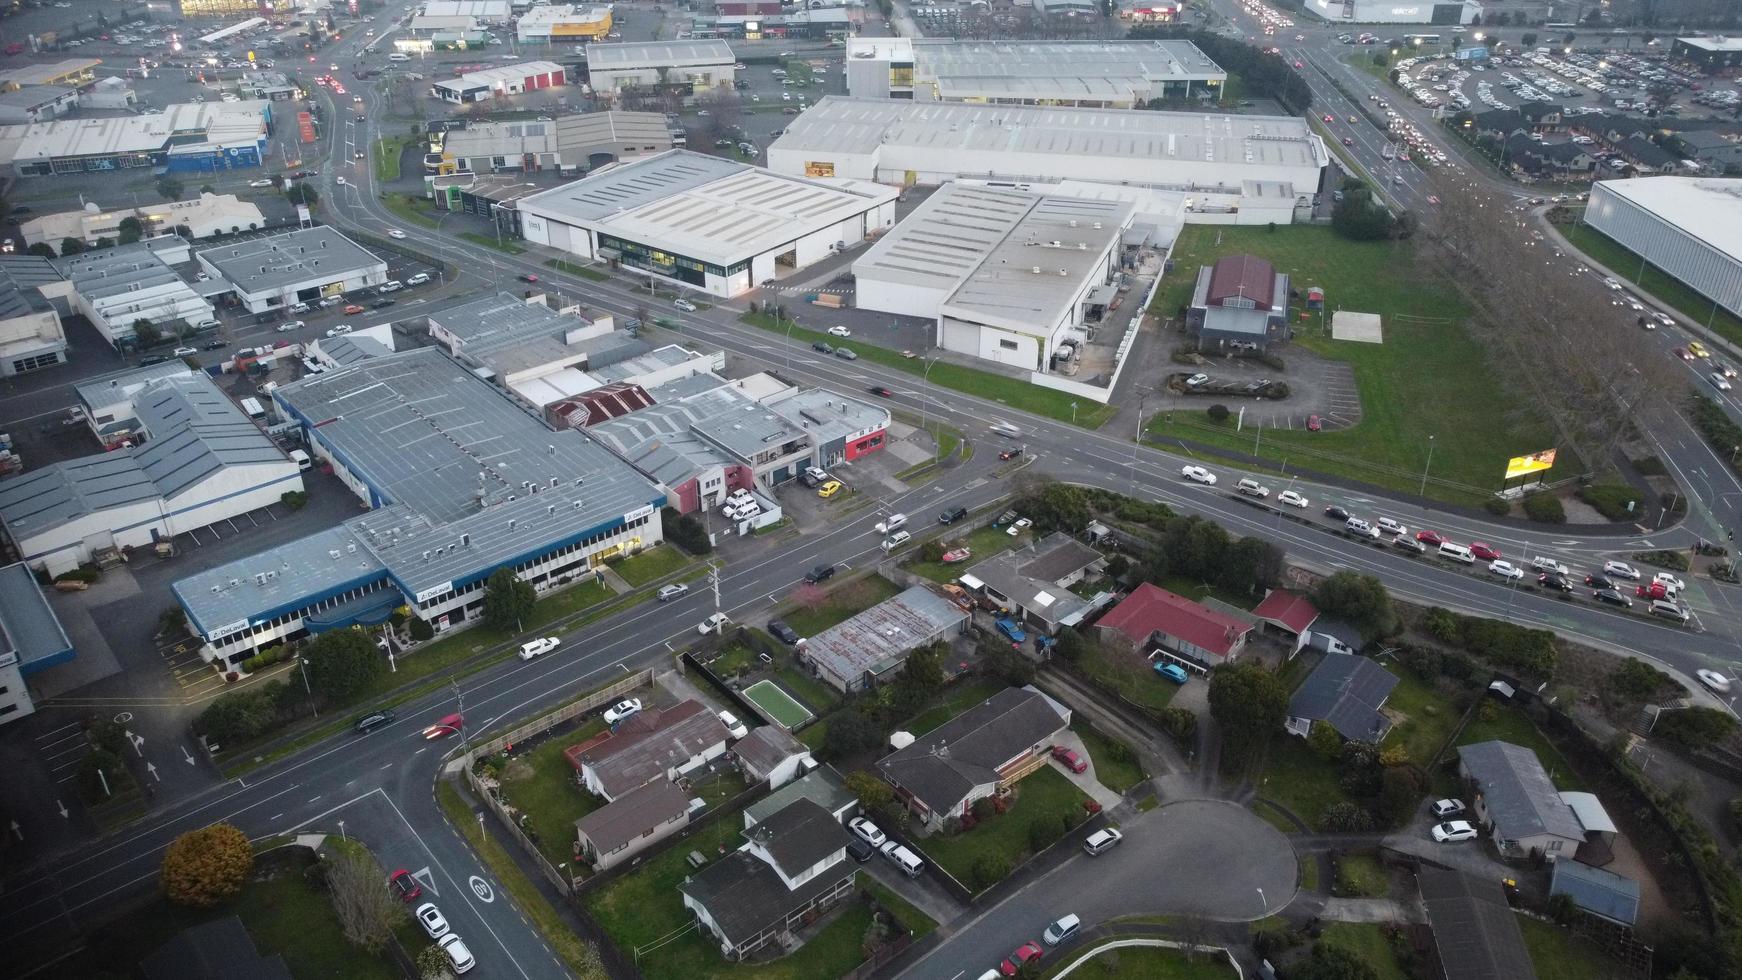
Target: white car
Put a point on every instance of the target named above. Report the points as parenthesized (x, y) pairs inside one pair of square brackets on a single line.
[(292, 325), (341, 181), (1714, 680), (1505, 569), (1454, 830), (458, 954), (1018, 526), (340, 330), (1252, 488), (1447, 808), (1197, 379), (184, 352), (395, 233), (432, 920), (260, 183), (684, 305), (839, 331), (1621, 569), (533, 648), (1292, 499), (672, 591), (713, 624), (867, 831), (622, 710), (734, 727), (1669, 581), (1719, 381), (1197, 474)]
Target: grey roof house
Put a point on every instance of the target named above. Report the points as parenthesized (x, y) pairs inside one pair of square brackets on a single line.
[(1475, 932), (1346, 692), (218, 950), (857, 654), (1517, 800), (822, 786), (632, 823), (1035, 582), (653, 745), (770, 754)]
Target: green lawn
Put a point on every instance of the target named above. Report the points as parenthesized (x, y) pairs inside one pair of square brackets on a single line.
[(1427, 717), (830, 953), (1412, 386), (414, 210), (1361, 876), (811, 691), (651, 565), (957, 698), (641, 907), (982, 384), (844, 601), (982, 542), (1148, 962), (542, 783), (1366, 940), (490, 241), (1296, 777), (734, 660), (1045, 795), (386, 157), (1559, 955), (1195, 590), (1309, 870), (1626, 264), (917, 922), (1116, 766), (569, 601), (1512, 725), (1132, 676)]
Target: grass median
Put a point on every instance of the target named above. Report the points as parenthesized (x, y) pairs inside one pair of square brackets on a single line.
[(386, 157), (491, 241), (407, 207)]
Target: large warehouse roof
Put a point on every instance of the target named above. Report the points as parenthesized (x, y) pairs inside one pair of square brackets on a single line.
[(1713, 44), (212, 122), (318, 254), (1704, 207), (655, 54), (707, 208), (586, 132), (504, 74), (1103, 70)]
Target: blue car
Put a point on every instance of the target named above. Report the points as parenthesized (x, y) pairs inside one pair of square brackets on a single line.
[(1173, 672), (1011, 629)]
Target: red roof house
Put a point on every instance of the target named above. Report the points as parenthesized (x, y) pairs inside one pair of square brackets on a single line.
[(1188, 631), (1289, 612)]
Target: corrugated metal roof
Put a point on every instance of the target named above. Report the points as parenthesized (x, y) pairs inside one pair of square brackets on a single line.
[(28, 627), (1520, 798), (875, 640), (1602, 893)]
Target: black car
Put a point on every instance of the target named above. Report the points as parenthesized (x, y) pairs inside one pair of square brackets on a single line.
[(860, 848), (822, 346), (1597, 581), (821, 573), (881, 391), (1612, 597), (381, 304), (1554, 580), (215, 345), (952, 515), (372, 721), (783, 632), (1336, 513), (153, 359), (1011, 453)]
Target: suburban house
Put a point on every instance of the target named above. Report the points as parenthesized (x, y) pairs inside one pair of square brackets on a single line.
[(1327, 635), (1561, 160), (1476, 933), (1240, 303), (980, 752), (1034, 583), (1288, 614), (1544, 117), (1499, 123), (822, 786), (1347, 693), (1156, 620), (632, 823), (855, 655), (770, 754), (1516, 799), (1719, 152), (655, 744), (1603, 894), (793, 862), (1646, 156)]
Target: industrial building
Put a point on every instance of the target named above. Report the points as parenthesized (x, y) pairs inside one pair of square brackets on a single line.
[(37, 103), (1007, 275), (461, 481), (706, 223), (115, 288), (71, 73), (1683, 225), (1088, 74), (31, 335), (1354, 12), (492, 83), (301, 266), (864, 650), (573, 142), (206, 216), (208, 137), (1228, 159), (691, 66), (182, 456), (490, 12), (31, 639), (551, 23), (1712, 54)]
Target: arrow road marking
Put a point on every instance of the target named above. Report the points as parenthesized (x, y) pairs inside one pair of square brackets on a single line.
[(187, 756), (151, 767), (63, 809)]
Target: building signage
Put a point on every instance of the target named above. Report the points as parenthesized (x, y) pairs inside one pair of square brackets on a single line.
[(223, 631), (433, 591), (637, 514), (1405, 11)]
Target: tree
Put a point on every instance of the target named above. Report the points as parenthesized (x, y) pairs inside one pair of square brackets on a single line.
[(1695, 728), (920, 676), (237, 716), (302, 194), (71, 246), (849, 733), (1248, 704), (1357, 599), (170, 188), (1325, 741), (1358, 217), (342, 662), (130, 230), (146, 332), (508, 601), (875, 795), (367, 912), (206, 866), (421, 630), (1636, 681), (1332, 963), (433, 964), (43, 249)]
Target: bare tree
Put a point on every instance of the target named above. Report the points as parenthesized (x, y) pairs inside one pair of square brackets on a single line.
[(366, 909)]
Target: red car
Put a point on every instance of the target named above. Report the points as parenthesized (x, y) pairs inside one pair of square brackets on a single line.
[(1653, 590), (1484, 552), (882, 392), (1328, 118), (1683, 353), (1070, 758), (1430, 538), (405, 886), (1314, 424), (448, 725), (528, 277), (1029, 952)]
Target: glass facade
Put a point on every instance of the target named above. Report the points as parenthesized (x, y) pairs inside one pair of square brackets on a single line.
[(224, 8), (668, 264)]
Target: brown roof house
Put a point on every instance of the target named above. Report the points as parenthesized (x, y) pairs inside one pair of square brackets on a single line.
[(770, 754), (1240, 303), (655, 744), (632, 823), (792, 863), (982, 751)]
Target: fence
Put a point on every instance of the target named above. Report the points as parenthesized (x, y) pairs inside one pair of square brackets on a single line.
[(746, 708)]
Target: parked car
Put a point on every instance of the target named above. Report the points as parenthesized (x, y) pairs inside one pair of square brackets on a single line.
[(860, 850), (783, 632), (1016, 962), (404, 885), (432, 920), (821, 573), (952, 515), (1061, 930), (458, 954), (1292, 499), (1102, 840), (1021, 524), (839, 331), (867, 831), (1011, 629), (1447, 808), (1070, 759), (622, 710), (829, 489), (1454, 830), (713, 624)]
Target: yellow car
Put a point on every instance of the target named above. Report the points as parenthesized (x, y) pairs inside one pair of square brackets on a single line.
[(1697, 349), (829, 489)]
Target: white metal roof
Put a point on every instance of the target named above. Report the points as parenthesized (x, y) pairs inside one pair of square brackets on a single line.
[(1704, 207), (655, 54)]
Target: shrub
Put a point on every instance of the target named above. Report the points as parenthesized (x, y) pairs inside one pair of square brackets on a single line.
[(989, 870), (1695, 728), (84, 573), (983, 809), (1675, 561), (1545, 508), (294, 499), (1345, 818), (1650, 466), (1497, 506), (1179, 723), (421, 630), (1617, 502), (1218, 413), (1272, 361), (206, 866), (265, 658)]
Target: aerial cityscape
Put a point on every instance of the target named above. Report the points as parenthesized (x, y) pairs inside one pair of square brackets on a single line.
[(921, 489)]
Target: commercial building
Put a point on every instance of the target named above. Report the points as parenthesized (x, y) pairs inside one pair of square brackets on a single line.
[(70, 72), (493, 83), (706, 223), (858, 654), (31, 639), (1711, 54), (1149, 11), (1240, 303), (1034, 584), (115, 288), (576, 142), (31, 335), (113, 92), (206, 216), (301, 266), (1683, 225), (491, 12), (37, 103), (463, 481), (551, 23), (210, 137), (1004, 274), (1089, 74), (188, 457), (691, 67), (1236, 157), (1354, 12)]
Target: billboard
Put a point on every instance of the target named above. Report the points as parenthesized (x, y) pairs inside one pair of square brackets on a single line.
[(1534, 463)]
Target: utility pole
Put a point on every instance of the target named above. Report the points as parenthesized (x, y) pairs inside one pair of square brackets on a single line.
[(460, 709)]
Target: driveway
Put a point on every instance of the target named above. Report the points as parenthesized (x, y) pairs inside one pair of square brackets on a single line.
[(1086, 780), (1316, 386)]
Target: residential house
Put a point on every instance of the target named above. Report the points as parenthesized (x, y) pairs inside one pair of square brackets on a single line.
[(1719, 153), (632, 823), (1645, 156), (771, 755), (794, 862), (1499, 123), (1287, 613), (1327, 635), (980, 752), (822, 786), (1556, 161), (1516, 800), (1601, 893), (1034, 583), (1155, 621), (654, 744), (1346, 692), (1543, 117), (1240, 303), (857, 654), (1476, 933)]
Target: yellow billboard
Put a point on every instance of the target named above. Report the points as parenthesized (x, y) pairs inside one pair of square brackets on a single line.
[(1534, 463)]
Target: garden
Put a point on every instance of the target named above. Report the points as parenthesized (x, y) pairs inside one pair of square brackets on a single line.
[(1000, 835)]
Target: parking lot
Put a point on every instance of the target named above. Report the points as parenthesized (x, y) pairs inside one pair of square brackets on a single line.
[(1581, 81)]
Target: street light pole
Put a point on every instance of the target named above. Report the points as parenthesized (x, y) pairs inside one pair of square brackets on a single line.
[(1430, 462), (1137, 441), (302, 665), (460, 709), (924, 385)]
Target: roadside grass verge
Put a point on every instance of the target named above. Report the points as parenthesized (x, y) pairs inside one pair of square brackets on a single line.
[(1361, 876), (651, 565), (407, 207), (385, 158), (584, 271), (489, 241), (1628, 267), (843, 602)]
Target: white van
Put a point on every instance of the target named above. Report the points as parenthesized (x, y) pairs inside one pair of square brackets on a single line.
[(301, 459), (399, 56), (896, 540), (1061, 931), (1450, 549), (906, 860), (895, 521)]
